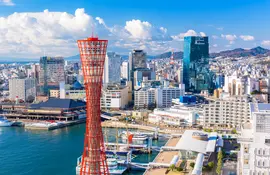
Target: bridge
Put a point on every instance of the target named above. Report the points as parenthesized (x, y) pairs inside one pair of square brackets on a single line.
[(108, 117), (138, 166)]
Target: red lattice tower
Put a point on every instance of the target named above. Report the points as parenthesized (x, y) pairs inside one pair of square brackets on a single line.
[(172, 58), (92, 53)]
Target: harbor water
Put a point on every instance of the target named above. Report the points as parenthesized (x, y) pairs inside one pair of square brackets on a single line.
[(36, 152)]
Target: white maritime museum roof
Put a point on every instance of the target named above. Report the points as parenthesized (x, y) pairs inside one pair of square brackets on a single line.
[(198, 141)]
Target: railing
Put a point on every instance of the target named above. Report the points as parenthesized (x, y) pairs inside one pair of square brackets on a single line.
[(262, 155), (241, 139), (261, 166)]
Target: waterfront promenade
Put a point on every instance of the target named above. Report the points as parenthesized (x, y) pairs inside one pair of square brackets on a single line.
[(164, 130)]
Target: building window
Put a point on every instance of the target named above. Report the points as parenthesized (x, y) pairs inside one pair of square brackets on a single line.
[(267, 141)]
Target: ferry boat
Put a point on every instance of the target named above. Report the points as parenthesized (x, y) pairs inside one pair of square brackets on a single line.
[(136, 137), (113, 165), (5, 123)]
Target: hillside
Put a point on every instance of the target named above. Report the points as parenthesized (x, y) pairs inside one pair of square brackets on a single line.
[(239, 52)]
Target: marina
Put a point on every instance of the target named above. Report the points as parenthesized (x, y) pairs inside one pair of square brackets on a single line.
[(64, 142), (128, 145)]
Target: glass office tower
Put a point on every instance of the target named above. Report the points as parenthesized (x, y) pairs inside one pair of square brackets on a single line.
[(196, 74)]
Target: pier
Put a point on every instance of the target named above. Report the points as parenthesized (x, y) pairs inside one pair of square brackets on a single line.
[(167, 156), (118, 124)]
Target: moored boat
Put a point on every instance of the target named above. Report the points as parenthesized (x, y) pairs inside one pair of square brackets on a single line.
[(5, 123)]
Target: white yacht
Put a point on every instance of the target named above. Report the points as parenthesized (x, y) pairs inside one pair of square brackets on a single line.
[(43, 125), (5, 123)]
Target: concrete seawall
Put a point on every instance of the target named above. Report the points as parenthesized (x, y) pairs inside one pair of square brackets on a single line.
[(117, 124)]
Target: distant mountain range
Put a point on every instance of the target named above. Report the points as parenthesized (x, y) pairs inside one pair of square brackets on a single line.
[(239, 52), (176, 55)]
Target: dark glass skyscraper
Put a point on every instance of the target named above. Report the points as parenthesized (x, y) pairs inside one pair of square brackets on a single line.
[(137, 60), (196, 74)]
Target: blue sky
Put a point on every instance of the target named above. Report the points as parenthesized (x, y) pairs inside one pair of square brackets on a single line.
[(156, 26)]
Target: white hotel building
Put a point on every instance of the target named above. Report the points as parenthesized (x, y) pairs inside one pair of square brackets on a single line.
[(254, 154), (227, 112)]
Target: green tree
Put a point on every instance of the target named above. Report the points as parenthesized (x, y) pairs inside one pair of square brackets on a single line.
[(179, 169), (219, 164), (172, 167), (255, 92), (211, 165), (234, 131), (192, 164)]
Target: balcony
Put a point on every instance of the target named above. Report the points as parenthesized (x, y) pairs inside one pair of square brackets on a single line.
[(241, 139)]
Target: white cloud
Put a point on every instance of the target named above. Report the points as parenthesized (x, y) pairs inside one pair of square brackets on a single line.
[(180, 37), (139, 29), (230, 38), (220, 28), (191, 33), (247, 37), (29, 34), (6, 2), (266, 43), (215, 45), (143, 30), (215, 37), (202, 34)]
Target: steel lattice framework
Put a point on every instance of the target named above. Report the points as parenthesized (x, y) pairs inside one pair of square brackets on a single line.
[(92, 53)]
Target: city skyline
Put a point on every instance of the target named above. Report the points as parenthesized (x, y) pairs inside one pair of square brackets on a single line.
[(31, 29)]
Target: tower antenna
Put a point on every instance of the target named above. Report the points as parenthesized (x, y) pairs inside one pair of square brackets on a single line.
[(93, 30)]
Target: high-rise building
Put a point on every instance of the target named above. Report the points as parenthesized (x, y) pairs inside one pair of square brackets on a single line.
[(180, 75), (254, 139), (140, 74), (144, 98), (76, 68), (125, 70), (112, 66), (240, 85), (93, 53), (51, 73), (196, 74), (137, 60), (265, 87), (151, 66), (24, 89), (35, 68), (114, 96), (220, 81), (164, 95)]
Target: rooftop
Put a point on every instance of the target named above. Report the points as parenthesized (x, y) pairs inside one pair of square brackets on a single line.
[(259, 107), (197, 141), (58, 103)]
